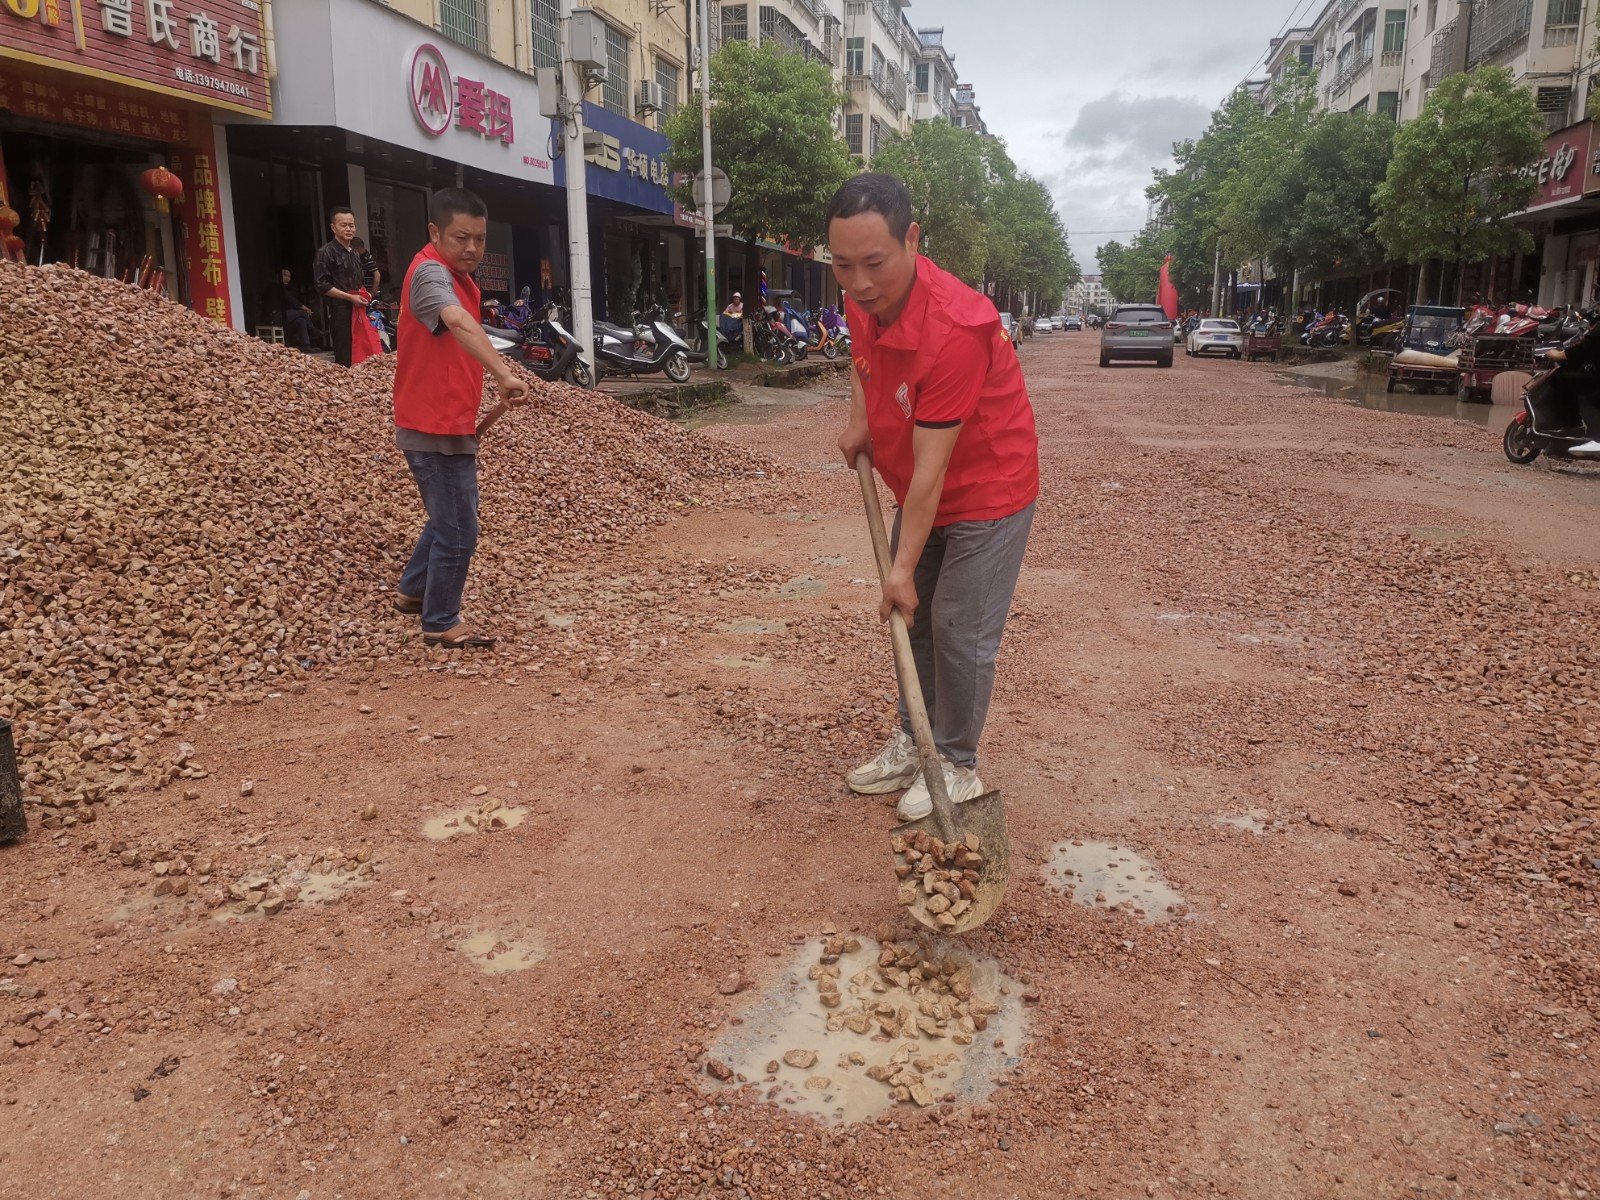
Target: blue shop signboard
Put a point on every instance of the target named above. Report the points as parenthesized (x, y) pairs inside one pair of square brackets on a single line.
[(630, 166)]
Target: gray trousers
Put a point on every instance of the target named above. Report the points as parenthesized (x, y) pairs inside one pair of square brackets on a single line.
[(965, 580)]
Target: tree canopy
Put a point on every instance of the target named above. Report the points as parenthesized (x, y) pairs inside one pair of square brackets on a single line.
[(1131, 272), (1028, 248), (1458, 171), (774, 132), (943, 168)]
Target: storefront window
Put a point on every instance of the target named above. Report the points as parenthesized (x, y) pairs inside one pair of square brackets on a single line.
[(546, 33), (614, 95)]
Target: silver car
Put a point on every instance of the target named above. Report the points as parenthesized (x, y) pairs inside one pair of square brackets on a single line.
[(1137, 331)]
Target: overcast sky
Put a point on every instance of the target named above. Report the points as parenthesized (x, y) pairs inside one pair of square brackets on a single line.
[(1089, 95)]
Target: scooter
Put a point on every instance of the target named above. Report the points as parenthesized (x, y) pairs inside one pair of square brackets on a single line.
[(726, 346), (1549, 422), (545, 348), (519, 316), (644, 350)]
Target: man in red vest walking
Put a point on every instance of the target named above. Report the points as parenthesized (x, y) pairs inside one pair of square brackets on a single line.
[(438, 385), (938, 401)]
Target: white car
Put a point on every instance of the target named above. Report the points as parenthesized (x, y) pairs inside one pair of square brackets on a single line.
[(1043, 325), (1215, 337)]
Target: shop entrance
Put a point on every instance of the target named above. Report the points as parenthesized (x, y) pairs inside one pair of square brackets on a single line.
[(79, 198), (397, 227), (277, 207)]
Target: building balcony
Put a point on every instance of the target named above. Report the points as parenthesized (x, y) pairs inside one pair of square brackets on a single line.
[(1501, 26)]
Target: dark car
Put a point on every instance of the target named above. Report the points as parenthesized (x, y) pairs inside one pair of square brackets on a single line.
[(1072, 324), (1137, 331)]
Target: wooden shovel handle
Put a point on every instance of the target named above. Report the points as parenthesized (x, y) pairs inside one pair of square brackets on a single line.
[(490, 417), (904, 661)]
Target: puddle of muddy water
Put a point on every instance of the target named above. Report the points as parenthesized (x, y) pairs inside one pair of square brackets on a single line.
[(1106, 875), (494, 954), (1371, 391), (789, 1019), (748, 626), (472, 819)]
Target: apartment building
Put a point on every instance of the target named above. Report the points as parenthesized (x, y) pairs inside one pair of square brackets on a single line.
[(1089, 295), (935, 82)]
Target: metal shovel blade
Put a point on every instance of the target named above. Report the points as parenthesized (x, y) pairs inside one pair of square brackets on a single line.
[(984, 817)]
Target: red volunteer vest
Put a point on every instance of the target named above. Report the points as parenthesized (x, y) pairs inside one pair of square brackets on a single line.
[(438, 386)]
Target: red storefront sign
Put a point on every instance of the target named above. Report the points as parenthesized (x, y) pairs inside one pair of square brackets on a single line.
[(437, 96), (1563, 172), (204, 51), (70, 102), (202, 224)]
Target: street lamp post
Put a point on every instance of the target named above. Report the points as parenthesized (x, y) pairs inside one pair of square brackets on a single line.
[(574, 84)]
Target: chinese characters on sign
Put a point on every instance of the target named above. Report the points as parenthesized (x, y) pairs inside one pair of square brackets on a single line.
[(436, 98), (202, 228), (93, 109), (154, 44)]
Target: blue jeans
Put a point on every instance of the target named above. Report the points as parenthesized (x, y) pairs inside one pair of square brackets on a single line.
[(437, 571)]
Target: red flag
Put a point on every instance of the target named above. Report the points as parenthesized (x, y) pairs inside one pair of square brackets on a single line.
[(1166, 294)]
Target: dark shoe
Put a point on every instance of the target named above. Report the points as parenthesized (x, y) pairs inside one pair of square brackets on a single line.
[(410, 605)]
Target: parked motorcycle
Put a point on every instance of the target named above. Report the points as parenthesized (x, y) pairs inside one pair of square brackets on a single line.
[(545, 347), (648, 347), (1550, 422), (726, 346)]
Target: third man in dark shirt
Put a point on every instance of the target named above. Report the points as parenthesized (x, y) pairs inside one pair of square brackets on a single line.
[(339, 278)]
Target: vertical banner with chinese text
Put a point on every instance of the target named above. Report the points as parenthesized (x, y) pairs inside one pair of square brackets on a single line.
[(202, 223)]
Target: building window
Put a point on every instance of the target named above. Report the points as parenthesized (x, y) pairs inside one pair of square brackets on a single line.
[(667, 81), (1389, 105), (855, 56), (1433, 14), (877, 136), (878, 63), (775, 27), (546, 33), (616, 93), (924, 70), (1361, 105), (1564, 12), (735, 23), (1394, 31), (1553, 103), (1308, 56), (852, 132), (464, 21)]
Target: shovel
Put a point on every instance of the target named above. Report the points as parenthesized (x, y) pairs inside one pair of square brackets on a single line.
[(979, 825)]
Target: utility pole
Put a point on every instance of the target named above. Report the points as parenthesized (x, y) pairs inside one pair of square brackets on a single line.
[(1216, 284), (574, 84), (707, 208)]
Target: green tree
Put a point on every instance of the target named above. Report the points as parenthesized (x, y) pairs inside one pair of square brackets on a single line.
[(1131, 273), (1256, 198), (1457, 172), (774, 132), (943, 167), (1027, 243), (1343, 161), (1189, 195)]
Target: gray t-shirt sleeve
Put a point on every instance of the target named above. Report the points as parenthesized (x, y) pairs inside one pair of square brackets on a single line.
[(431, 293)]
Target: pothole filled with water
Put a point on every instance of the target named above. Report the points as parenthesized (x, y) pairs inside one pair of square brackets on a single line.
[(1109, 876), (495, 954), (489, 817), (855, 1028)]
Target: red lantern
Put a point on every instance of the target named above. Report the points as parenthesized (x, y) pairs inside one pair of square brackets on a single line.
[(9, 219), (161, 183)]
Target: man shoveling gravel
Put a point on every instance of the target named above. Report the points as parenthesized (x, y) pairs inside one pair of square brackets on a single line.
[(938, 401), (438, 384)]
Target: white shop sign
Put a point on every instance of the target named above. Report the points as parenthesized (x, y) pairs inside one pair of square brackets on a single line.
[(364, 68)]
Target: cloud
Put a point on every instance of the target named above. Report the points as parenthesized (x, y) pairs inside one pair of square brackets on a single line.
[(1145, 126)]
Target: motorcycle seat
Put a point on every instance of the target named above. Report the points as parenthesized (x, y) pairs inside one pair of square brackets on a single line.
[(617, 331)]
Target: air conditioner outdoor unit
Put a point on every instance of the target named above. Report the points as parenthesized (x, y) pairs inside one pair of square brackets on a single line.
[(651, 96)]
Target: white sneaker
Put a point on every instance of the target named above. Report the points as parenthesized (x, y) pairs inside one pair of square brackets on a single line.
[(894, 768), (1592, 447), (960, 784)]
